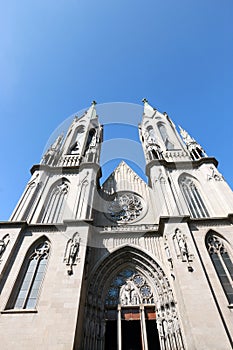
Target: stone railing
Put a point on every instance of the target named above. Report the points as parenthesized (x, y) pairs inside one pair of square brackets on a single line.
[(69, 160), (169, 155)]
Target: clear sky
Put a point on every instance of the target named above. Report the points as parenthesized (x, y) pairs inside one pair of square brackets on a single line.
[(57, 56)]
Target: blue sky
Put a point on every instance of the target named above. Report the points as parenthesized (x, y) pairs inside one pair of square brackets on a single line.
[(57, 56)]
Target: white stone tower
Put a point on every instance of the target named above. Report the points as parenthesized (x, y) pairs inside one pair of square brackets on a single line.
[(126, 265)]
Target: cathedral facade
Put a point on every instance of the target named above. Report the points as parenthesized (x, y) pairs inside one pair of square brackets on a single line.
[(126, 265)]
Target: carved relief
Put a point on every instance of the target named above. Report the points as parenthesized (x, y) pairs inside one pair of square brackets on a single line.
[(129, 288), (71, 252)]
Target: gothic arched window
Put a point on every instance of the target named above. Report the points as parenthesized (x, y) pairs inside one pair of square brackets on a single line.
[(192, 197), (163, 132), (222, 263), (91, 137), (26, 290), (77, 139), (54, 208)]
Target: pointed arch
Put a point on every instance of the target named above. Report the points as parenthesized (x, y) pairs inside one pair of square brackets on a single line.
[(221, 257), (132, 277), (55, 202), (26, 290), (163, 132), (191, 191), (77, 140)]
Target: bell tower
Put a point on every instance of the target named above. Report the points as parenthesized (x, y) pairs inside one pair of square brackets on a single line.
[(178, 169), (61, 187)]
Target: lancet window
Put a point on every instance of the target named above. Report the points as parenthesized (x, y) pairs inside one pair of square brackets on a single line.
[(163, 132), (53, 211), (222, 262), (30, 277), (77, 141), (193, 197)]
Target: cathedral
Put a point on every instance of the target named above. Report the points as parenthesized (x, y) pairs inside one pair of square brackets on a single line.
[(122, 265)]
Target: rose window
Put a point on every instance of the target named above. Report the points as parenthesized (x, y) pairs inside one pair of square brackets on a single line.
[(125, 207)]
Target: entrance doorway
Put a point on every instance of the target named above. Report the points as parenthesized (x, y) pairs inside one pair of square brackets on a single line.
[(131, 329), (131, 335), (111, 335)]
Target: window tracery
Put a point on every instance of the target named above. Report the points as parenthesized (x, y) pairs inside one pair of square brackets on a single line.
[(126, 207), (163, 132), (33, 271), (222, 263), (53, 211), (192, 197), (129, 288)]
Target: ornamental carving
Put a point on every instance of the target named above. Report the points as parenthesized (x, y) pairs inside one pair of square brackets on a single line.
[(129, 288), (215, 245), (41, 251), (126, 207)]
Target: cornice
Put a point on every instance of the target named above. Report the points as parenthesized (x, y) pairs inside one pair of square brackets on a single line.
[(66, 170), (191, 164)]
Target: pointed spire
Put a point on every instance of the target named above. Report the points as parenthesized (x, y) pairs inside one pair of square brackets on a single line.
[(191, 143), (188, 140), (149, 111), (91, 112)]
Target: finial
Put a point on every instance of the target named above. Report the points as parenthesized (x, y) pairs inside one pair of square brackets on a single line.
[(144, 100), (93, 103)]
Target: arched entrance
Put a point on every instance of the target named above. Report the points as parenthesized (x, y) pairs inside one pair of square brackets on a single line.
[(130, 318), (130, 305)]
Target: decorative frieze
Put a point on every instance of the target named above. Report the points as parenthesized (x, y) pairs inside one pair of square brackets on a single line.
[(134, 228)]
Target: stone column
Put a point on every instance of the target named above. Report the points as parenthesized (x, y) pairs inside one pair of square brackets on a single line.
[(119, 338), (143, 328)]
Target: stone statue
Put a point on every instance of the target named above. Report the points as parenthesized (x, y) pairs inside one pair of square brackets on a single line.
[(71, 252)]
